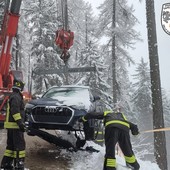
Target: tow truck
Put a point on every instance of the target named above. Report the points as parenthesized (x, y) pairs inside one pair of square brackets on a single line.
[(64, 39)]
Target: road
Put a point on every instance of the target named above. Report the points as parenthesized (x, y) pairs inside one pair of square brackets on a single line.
[(40, 155)]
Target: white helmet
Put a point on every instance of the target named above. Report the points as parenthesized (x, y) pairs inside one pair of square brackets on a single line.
[(117, 107)]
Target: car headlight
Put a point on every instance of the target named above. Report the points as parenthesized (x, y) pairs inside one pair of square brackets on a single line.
[(29, 106), (78, 125)]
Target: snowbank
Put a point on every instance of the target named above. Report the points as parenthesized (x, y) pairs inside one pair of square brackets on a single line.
[(87, 161)]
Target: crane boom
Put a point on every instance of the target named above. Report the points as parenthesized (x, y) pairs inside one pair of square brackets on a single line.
[(8, 32)]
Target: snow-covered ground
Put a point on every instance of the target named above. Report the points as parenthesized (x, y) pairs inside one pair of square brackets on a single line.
[(83, 160), (87, 161)]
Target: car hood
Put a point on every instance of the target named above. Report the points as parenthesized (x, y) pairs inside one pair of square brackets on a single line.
[(77, 103)]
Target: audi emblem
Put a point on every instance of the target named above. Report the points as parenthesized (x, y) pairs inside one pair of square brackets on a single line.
[(52, 109)]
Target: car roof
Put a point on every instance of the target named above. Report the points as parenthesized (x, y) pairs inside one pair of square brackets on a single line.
[(71, 86)]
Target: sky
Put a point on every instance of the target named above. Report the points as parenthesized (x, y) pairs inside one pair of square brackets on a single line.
[(141, 50)]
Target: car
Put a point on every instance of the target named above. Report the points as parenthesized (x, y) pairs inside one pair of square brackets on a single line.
[(61, 108)]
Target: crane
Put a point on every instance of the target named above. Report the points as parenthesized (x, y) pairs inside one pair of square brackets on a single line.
[(8, 32), (64, 39)]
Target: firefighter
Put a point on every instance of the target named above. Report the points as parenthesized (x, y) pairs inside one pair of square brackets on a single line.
[(15, 150), (116, 131)]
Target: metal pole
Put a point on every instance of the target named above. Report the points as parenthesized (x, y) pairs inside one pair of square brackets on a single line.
[(66, 15), (15, 6)]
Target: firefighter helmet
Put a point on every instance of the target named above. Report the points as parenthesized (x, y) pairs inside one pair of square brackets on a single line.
[(18, 84)]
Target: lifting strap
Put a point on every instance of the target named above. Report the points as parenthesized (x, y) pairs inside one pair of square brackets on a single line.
[(156, 130)]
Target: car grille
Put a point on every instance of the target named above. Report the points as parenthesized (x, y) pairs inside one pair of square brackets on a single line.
[(52, 114)]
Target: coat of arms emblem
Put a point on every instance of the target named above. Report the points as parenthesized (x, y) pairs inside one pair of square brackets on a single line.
[(165, 17)]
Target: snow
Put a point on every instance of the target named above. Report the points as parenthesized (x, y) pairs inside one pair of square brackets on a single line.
[(78, 96), (2, 137), (79, 99), (83, 160)]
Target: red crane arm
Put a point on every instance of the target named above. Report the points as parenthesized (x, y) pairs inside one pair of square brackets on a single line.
[(9, 30)]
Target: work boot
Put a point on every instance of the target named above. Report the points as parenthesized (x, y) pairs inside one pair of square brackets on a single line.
[(7, 163), (7, 168), (19, 164), (110, 168), (134, 166)]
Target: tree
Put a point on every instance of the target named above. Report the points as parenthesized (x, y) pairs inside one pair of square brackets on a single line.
[(142, 94), (116, 22), (142, 108), (87, 50), (2, 5), (166, 108), (158, 120), (41, 20)]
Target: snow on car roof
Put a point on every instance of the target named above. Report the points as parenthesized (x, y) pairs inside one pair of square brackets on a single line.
[(79, 97), (78, 86)]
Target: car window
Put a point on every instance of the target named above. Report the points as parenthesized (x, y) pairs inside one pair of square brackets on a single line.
[(65, 92), (91, 96)]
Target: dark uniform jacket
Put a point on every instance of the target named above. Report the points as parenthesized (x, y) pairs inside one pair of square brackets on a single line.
[(111, 119), (15, 111)]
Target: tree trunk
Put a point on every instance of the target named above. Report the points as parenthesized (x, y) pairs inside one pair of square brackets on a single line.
[(114, 55), (158, 121)]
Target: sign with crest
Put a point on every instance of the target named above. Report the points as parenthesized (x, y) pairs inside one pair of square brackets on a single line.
[(165, 17)]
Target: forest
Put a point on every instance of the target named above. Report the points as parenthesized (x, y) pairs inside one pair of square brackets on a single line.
[(102, 42)]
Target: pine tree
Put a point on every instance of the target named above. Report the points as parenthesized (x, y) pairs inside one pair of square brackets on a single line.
[(120, 36), (142, 108), (88, 53), (41, 18), (142, 95), (2, 4), (166, 108)]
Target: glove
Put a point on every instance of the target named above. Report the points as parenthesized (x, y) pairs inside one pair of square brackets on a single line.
[(80, 119), (134, 129), (22, 127)]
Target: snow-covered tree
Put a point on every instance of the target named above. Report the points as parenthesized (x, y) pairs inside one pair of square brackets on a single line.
[(142, 94), (87, 50), (166, 108), (41, 20), (2, 4), (116, 23), (142, 108)]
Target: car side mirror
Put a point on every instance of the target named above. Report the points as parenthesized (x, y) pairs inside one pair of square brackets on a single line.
[(34, 97), (96, 98)]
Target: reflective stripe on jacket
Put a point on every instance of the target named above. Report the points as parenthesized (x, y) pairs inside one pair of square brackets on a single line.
[(15, 111), (10, 124), (116, 119), (111, 119)]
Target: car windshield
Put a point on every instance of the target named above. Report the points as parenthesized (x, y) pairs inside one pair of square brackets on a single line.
[(58, 92)]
